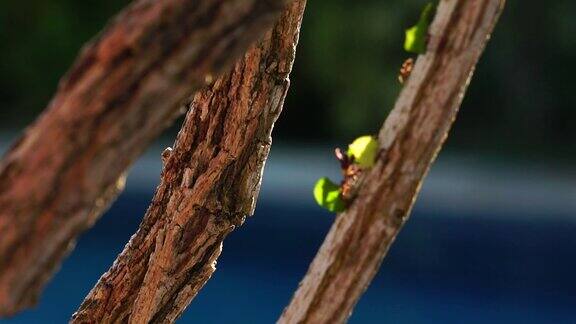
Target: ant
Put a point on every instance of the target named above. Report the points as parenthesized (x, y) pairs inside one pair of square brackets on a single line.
[(406, 70), (350, 172)]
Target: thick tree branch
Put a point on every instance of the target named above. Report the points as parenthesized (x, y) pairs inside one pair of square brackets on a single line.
[(209, 184), (410, 139), (126, 86)]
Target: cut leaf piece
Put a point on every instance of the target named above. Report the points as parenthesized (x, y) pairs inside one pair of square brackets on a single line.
[(415, 41), (328, 195), (364, 150)]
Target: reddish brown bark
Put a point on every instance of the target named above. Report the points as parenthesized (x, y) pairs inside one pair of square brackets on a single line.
[(209, 184), (410, 139), (126, 86)]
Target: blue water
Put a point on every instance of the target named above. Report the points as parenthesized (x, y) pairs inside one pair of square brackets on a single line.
[(442, 269)]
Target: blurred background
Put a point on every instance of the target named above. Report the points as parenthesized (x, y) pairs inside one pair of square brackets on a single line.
[(492, 234)]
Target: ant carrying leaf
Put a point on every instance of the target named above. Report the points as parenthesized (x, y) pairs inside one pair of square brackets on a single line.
[(360, 156)]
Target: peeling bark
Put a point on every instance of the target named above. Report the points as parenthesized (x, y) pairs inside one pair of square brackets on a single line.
[(126, 86), (209, 184), (410, 139)]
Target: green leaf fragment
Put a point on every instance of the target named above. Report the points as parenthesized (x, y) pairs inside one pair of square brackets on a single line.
[(415, 41), (364, 150), (328, 195)]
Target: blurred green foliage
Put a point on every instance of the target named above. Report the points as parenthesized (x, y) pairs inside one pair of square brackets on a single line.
[(38, 42), (347, 64), (519, 102), (344, 82)]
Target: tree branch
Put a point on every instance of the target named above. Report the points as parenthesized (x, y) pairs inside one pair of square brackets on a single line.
[(410, 139), (126, 86), (209, 184)]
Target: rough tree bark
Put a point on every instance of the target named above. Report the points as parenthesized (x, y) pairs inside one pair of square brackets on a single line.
[(410, 139), (126, 86), (209, 184)]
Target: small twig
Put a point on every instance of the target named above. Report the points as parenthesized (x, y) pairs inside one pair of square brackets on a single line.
[(410, 139)]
